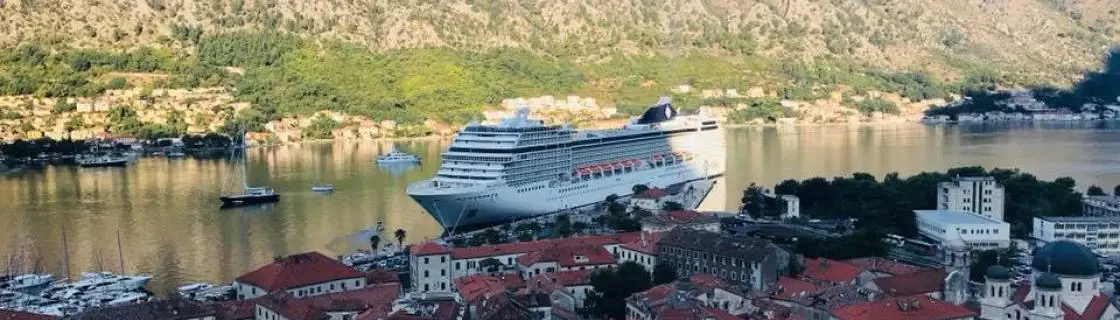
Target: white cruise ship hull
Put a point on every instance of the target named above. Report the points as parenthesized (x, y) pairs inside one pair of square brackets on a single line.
[(493, 204)]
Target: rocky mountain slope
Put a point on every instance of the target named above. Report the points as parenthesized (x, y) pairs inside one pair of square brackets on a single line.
[(1052, 40)]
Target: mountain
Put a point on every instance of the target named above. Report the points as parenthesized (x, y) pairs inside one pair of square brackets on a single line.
[(1037, 39)]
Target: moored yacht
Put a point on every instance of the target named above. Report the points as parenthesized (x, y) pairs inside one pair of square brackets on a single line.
[(395, 156)]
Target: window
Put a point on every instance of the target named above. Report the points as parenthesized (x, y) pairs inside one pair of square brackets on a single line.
[(426, 273), (456, 266), (426, 260), (425, 287)]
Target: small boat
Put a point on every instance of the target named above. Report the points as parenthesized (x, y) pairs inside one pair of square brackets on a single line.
[(397, 157), (248, 195), (127, 298), (102, 161), (194, 287), (322, 188), (107, 281), (176, 155)]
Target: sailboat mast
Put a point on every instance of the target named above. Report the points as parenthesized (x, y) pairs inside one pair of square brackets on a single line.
[(65, 256), (244, 161)]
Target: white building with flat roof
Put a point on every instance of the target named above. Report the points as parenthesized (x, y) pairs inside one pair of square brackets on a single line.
[(979, 195), (979, 232), (1101, 206), (1100, 234)]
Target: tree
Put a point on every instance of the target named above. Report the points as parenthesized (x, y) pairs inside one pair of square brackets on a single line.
[(61, 106), (790, 186), (1095, 190), (664, 273), (400, 234), (672, 206), (1116, 190), (490, 265), (374, 241), (639, 188), (613, 286), (754, 199), (614, 197), (988, 258), (563, 226), (75, 122)]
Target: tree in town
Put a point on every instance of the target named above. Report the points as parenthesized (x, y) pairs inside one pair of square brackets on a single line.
[(563, 226), (611, 287), (664, 273), (1095, 190), (754, 200), (1116, 190), (639, 188), (374, 241), (988, 258), (864, 243), (490, 265), (614, 197), (400, 234), (672, 206)]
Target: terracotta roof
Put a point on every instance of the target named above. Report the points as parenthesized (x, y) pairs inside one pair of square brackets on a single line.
[(1093, 311), (707, 280), (788, 289), (646, 244), (905, 308), (925, 281), (652, 193), (381, 276), (474, 288), (830, 270), (19, 315), (676, 300), (566, 256), (428, 248), (375, 301), (681, 217), (527, 247), (552, 281), (694, 313), (741, 247), (297, 271), (1022, 289), (236, 309), (884, 265)]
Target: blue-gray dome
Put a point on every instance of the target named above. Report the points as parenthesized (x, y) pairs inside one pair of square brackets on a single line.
[(998, 272), (1066, 258), (1048, 280)]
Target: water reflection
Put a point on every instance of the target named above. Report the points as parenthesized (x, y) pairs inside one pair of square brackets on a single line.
[(167, 211)]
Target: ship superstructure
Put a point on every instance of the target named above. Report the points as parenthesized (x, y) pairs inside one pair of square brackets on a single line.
[(522, 168)]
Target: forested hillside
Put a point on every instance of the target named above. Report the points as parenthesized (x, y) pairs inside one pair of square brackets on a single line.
[(411, 60)]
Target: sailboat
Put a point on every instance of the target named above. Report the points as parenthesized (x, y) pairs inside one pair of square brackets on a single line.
[(248, 195)]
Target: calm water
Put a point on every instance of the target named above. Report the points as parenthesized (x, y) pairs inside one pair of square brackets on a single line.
[(166, 211)]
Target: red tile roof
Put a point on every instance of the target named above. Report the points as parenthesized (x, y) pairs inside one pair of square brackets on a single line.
[(906, 308), (527, 247), (428, 248), (297, 271), (707, 281), (1093, 311), (823, 269), (426, 310), (921, 282), (1022, 289), (237, 309), (652, 193), (19, 315), (646, 244), (694, 313), (884, 265), (552, 281), (375, 301), (566, 256), (474, 288), (788, 289), (381, 276)]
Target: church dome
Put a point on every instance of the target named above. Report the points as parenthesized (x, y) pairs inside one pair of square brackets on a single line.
[(998, 272), (1048, 280), (1066, 258)]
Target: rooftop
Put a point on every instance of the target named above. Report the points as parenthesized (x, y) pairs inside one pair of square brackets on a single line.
[(652, 193), (746, 248), (647, 243), (375, 301), (788, 289), (476, 287), (552, 281), (569, 255), (1080, 219), (884, 265), (925, 281), (953, 217), (297, 271), (159, 309), (19, 315), (436, 309), (527, 247), (904, 308), (822, 269)]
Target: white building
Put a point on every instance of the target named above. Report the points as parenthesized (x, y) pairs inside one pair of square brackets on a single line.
[(650, 200), (1065, 284), (643, 251), (1108, 205), (1100, 234), (980, 195), (434, 267), (792, 206), (979, 232), (301, 275)]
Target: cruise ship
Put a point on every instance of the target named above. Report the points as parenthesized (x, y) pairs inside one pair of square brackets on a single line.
[(521, 168)]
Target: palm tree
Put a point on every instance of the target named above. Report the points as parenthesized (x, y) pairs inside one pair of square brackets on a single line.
[(400, 235)]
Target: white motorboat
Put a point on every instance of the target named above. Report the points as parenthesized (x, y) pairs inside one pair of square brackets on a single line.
[(102, 161), (176, 155), (27, 281), (322, 188), (128, 298), (114, 282), (194, 287), (397, 157)]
